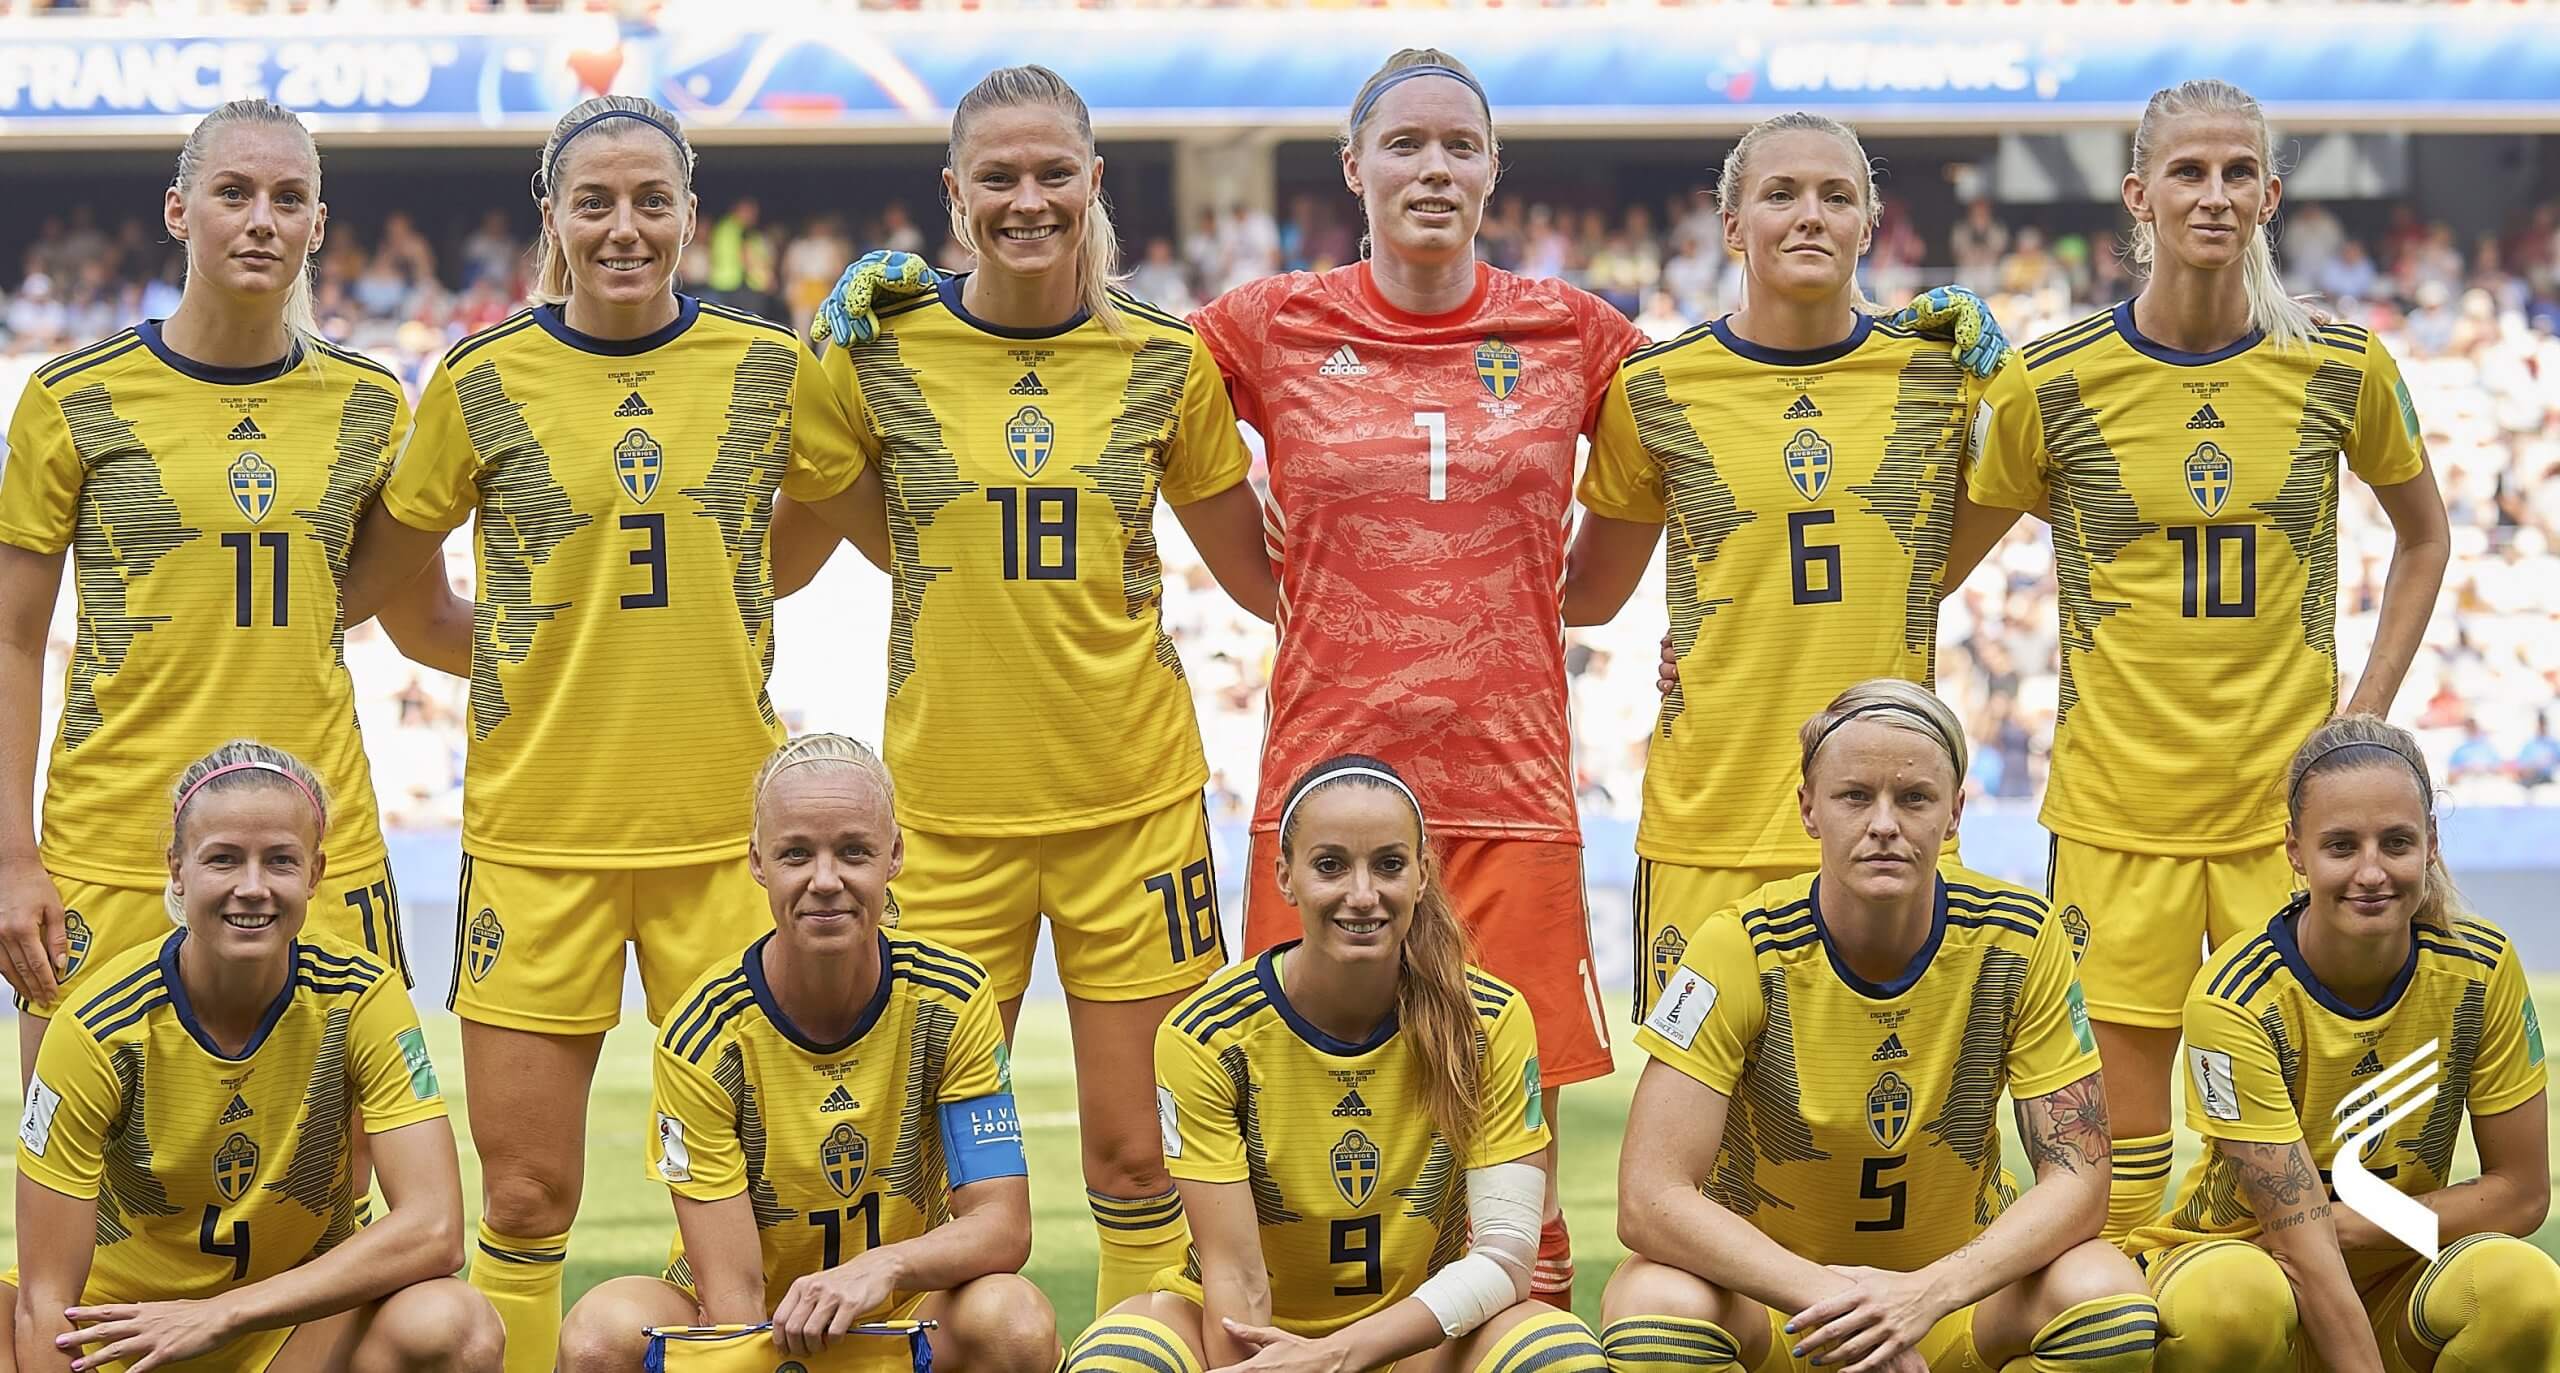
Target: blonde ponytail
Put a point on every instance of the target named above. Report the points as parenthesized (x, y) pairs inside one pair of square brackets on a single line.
[(301, 319), (2285, 321), (1098, 250)]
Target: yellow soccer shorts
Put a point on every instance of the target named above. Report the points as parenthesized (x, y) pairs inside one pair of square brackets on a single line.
[(2149, 918), (359, 908), (1667, 894), (540, 949), (750, 1349), (1132, 907)]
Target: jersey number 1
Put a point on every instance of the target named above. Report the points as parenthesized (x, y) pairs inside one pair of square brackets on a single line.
[(1435, 425)]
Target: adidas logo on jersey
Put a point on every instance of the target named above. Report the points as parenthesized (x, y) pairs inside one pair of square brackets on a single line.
[(2204, 418), (839, 1100), (632, 405), (1890, 1050), (237, 1111), (2367, 1066), (1343, 363), (1803, 409), (246, 430), (1029, 386), (1351, 1105)]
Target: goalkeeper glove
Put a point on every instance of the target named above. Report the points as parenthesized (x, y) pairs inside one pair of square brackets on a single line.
[(873, 279), (1957, 315)]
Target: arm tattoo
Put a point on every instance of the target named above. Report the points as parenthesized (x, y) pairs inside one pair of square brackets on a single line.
[(2067, 1124), (2287, 1222), (2277, 1178)]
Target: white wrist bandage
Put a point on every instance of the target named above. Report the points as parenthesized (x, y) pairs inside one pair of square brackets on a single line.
[(1504, 1205)]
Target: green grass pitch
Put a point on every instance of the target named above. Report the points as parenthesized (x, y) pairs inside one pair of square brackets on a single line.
[(625, 1222)]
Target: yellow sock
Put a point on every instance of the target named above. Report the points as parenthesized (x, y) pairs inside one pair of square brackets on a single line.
[(2141, 1179), (1549, 1342), (2224, 1308), (1140, 1238), (1670, 1344), (521, 1278), (2490, 1302), (1129, 1344), (2109, 1335)]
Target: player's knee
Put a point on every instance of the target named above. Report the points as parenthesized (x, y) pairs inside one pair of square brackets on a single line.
[(603, 1334), (1642, 1287), (1002, 1324), (435, 1327), (1124, 1342), (2495, 1293), (2092, 1270), (1125, 1166), (2227, 1309), (1545, 1340), (529, 1196)]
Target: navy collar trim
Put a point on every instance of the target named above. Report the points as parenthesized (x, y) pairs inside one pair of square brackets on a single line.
[(1792, 357), (149, 332), (1910, 975), (554, 321), (2285, 929), (1267, 969), (186, 1008), (949, 290), (2161, 352), (772, 1007)]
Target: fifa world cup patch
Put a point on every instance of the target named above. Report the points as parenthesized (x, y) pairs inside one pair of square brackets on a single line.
[(35, 1124), (675, 1162), (1681, 1011), (2215, 1090), (1169, 1122)]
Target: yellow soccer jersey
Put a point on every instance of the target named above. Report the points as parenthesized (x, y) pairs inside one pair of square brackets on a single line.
[(1808, 499), (1865, 1124), (1032, 686), (839, 1147), (1358, 1198), (2194, 502), (212, 1172), (2273, 1057), (625, 619), (209, 512)]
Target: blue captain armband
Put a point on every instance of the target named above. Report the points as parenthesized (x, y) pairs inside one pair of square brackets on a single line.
[(982, 1139)]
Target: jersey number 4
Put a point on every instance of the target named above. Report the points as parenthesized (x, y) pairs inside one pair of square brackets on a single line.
[(235, 1248)]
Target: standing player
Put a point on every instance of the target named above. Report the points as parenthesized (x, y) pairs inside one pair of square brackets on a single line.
[(1805, 457), (1328, 1232), (2371, 995), (835, 1117), (620, 445), (1794, 1199), (2186, 444), (208, 470), (1420, 410), (1011, 432), (186, 1172)]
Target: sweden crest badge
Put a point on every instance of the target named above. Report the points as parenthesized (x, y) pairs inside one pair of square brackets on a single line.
[(2209, 478), (844, 1155), (1355, 1168), (253, 486), (1029, 436), (637, 461), (1808, 459), (1498, 367), (1889, 1110)]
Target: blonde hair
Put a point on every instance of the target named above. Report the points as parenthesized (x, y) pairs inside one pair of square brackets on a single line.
[(239, 765), (2285, 321), (1737, 172), (299, 317), (1435, 1009), (2352, 742), (832, 752), (551, 282), (1896, 703), (1098, 251)]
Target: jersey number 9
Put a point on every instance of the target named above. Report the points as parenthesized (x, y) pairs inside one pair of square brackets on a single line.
[(1356, 1241)]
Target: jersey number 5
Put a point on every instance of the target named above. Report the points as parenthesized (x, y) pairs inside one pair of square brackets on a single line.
[(1873, 1187)]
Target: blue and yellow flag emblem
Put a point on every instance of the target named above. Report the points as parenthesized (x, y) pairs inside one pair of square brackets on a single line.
[(1668, 946), (637, 461), (1029, 436), (75, 942), (253, 485), (235, 1166), (2076, 924), (844, 1155), (1889, 1110), (482, 943), (1808, 459), (1355, 1168), (2209, 477), (1498, 367)]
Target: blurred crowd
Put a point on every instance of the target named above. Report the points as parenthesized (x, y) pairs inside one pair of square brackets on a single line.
[(2472, 322)]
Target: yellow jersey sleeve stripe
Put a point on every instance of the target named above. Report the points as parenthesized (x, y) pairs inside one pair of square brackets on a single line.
[(359, 359), (2454, 950), (1236, 1005), (952, 983), (57, 367), (2086, 326), (2245, 963), (686, 1027), (2037, 361), (742, 317), (1789, 927), (66, 373), (120, 991), (513, 324), (2486, 936), (1143, 310), (1220, 991), (149, 998), (1670, 345)]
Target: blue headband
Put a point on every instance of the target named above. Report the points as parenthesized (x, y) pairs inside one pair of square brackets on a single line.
[(552, 167), (1403, 74)]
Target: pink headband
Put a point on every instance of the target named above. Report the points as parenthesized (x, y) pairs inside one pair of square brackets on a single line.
[(252, 766)]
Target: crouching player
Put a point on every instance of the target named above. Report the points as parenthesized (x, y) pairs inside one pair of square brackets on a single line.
[(1353, 1121), (1812, 1173), (2347, 1040), (835, 1118)]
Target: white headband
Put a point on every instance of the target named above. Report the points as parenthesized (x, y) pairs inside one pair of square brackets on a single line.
[(1375, 774)]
